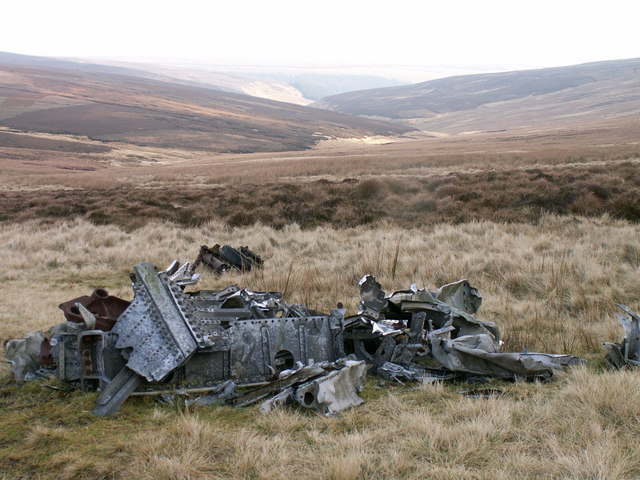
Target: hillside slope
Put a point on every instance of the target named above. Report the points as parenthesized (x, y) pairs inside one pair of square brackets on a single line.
[(109, 104), (495, 101), (218, 79)]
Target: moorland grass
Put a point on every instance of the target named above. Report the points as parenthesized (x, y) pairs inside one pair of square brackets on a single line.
[(550, 286)]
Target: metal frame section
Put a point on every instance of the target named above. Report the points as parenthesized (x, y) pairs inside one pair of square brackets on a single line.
[(117, 392), (152, 329), (66, 354), (262, 347), (100, 362)]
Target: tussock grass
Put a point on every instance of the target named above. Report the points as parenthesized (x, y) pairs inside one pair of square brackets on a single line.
[(551, 286), (540, 282), (581, 426)]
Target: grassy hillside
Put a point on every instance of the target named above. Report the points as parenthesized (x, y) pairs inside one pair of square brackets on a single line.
[(494, 101), (115, 107), (511, 176)]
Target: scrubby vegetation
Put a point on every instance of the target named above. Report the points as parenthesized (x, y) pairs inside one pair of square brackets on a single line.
[(517, 195)]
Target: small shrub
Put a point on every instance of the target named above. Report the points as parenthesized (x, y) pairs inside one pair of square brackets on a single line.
[(369, 189)]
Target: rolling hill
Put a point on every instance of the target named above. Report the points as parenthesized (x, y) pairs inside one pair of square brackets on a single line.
[(114, 104), (499, 101)]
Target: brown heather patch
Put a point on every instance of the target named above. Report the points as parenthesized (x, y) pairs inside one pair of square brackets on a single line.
[(518, 195)]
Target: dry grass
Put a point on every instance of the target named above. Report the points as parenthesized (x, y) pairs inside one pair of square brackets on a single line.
[(583, 426), (550, 287)]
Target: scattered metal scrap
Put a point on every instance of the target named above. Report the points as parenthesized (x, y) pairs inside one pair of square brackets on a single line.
[(220, 259), (23, 354), (627, 352), (327, 387), (241, 347), (396, 334)]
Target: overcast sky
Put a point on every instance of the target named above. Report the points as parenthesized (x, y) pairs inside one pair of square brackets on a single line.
[(485, 34)]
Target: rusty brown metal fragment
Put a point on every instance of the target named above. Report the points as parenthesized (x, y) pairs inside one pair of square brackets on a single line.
[(106, 309)]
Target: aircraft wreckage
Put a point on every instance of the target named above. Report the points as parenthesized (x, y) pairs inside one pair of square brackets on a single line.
[(240, 347), (626, 353)]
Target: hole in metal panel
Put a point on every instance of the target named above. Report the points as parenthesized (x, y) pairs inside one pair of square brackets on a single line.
[(308, 399), (283, 360)]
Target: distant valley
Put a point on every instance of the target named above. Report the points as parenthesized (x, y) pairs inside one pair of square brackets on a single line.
[(297, 85), (173, 107)]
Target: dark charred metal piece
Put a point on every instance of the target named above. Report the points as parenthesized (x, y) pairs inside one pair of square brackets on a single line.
[(220, 259), (210, 257), (252, 256), (237, 259)]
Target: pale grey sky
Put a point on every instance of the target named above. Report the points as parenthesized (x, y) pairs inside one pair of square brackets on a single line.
[(487, 34)]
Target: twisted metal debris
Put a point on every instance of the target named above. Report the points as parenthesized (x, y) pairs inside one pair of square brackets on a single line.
[(241, 347), (399, 333)]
